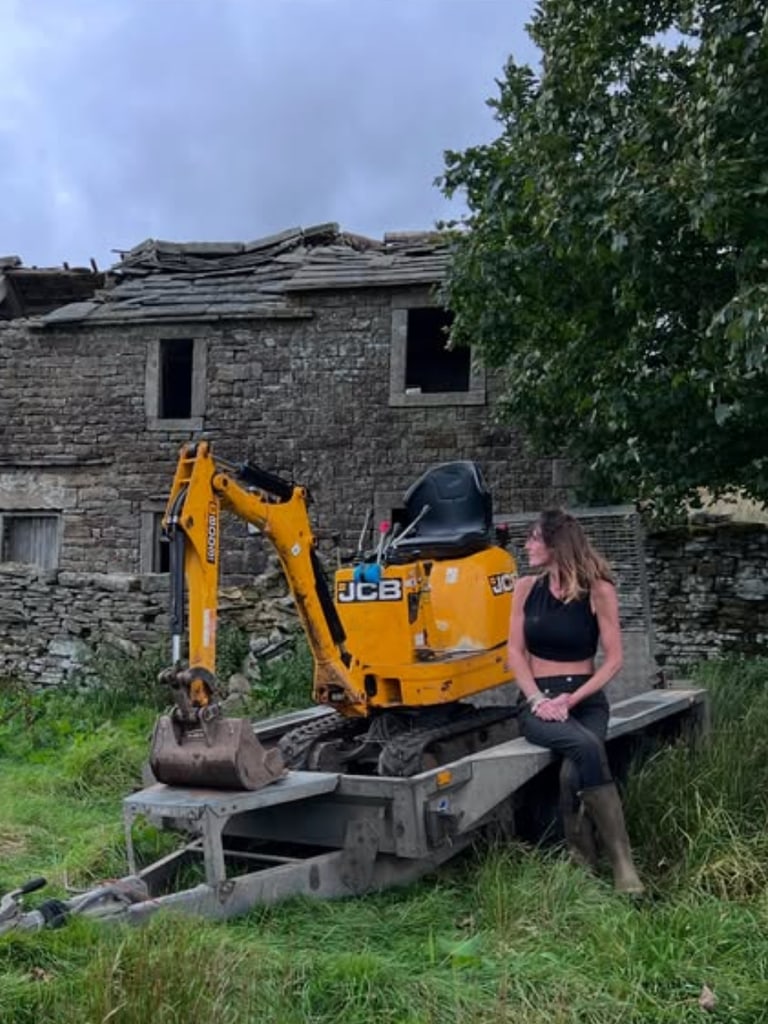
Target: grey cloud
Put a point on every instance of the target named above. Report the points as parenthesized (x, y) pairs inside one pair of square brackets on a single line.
[(203, 119)]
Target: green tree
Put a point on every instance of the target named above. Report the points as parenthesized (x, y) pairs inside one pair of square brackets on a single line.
[(616, 257)]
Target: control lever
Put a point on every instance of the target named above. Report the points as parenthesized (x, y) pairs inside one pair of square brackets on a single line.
[(357, 561), (410, 528)]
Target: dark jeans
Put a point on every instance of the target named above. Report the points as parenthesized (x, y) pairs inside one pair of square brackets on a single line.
[(581, 738)]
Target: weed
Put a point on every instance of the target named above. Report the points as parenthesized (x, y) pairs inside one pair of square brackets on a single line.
[(700, 809), (285, 684), (231, 651), (116, 682)]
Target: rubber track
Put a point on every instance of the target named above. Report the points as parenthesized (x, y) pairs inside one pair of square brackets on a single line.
[(403, 755), (297, 743)]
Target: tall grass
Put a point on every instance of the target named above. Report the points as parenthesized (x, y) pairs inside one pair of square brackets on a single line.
[(564, 949), (505, 934), (701, 809)]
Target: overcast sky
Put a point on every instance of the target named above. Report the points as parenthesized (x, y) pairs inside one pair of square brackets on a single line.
[(231, 119)]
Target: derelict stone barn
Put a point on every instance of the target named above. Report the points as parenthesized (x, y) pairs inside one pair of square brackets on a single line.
[(315, 353)]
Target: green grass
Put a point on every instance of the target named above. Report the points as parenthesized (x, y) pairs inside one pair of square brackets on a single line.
[(285, 684), (702, 812), (504, 934)]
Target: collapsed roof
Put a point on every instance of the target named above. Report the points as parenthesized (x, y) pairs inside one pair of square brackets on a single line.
[(33, 291), (170, 281)]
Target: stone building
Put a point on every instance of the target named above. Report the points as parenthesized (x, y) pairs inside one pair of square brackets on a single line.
[(315, 353)]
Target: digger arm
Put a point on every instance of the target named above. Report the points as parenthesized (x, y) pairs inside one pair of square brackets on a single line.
[(200, 490)]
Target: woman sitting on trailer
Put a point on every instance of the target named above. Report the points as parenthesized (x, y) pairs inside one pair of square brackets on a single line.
[(558, 616)]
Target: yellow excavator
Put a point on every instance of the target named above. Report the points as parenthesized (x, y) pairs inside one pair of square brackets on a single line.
[(415, 627)]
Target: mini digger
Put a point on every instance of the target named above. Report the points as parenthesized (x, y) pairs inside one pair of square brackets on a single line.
[(413, 628)]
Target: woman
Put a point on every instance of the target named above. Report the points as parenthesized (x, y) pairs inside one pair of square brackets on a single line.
[(557, 619)]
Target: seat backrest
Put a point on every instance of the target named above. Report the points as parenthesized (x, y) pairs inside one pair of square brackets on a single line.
[(459, 501)]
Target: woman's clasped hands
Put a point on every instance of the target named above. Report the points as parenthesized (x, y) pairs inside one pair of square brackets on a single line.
[(552, 709)]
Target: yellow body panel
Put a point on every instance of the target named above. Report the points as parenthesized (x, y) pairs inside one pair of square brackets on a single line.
[(428, 632)]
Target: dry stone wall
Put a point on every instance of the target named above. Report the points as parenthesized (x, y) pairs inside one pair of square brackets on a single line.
[(709, 597), (52, 623), (709, 592)]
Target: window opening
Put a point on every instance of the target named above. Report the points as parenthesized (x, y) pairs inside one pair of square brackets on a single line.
[(176, 366), (429, 366), (30, 539), (161, 547)]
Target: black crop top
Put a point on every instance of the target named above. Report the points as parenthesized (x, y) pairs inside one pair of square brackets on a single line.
[(558, 630)]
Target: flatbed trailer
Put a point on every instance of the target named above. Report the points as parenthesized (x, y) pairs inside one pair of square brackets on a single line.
[(330, 835), (327, 835)]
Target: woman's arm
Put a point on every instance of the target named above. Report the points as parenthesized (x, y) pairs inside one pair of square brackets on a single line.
[(517, 655), (606, 606)]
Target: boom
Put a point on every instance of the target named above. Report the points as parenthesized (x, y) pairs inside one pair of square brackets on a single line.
[(201, 490)]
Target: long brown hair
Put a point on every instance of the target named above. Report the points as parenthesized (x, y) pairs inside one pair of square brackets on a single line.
[(578, 563)]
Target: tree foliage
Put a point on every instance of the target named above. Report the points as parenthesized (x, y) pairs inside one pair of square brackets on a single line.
[(617, 253)]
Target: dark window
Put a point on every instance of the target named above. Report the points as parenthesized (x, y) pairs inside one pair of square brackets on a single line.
[(161, 548), (176, 364), (429, 366), (30, 539)]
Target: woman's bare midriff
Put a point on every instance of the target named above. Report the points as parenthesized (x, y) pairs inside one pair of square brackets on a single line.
[(543, 669)]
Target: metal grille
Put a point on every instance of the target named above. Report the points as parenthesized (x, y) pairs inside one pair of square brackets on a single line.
[(617, 532)]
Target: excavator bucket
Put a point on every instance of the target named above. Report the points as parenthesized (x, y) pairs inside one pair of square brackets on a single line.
[(221, 754)]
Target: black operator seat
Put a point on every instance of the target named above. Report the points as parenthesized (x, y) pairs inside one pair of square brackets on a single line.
[(460, 517)]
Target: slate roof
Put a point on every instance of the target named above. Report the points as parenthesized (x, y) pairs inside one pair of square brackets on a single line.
[(203, 281)]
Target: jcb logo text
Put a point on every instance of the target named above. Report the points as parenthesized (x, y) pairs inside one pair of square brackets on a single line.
[(210, 536), (502, 583), (384, 590)]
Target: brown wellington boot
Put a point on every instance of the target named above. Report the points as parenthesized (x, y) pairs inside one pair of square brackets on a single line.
[(604, 807), (577, 826)]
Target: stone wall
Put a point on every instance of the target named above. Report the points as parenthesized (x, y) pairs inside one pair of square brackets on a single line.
[(53, 622), (709, 597), (50, 620), (709, 592), (304, 395)]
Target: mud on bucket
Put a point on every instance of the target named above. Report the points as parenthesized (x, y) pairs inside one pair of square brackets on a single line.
[(221, 754)]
